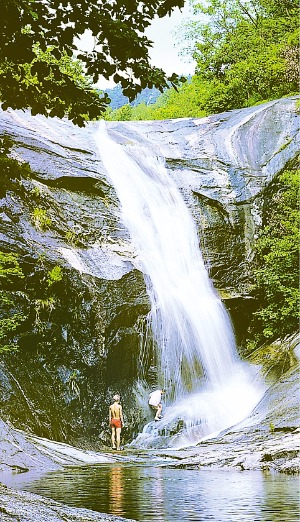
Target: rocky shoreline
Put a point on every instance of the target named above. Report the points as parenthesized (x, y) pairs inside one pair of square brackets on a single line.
[(17, 506), (276, 452), (269, 440), (249, 450)]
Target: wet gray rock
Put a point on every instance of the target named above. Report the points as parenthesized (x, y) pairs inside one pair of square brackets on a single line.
[(70, 345), (277, 452), (221, 164), (16, 506), (18, 455), (268, 440), (21, 452)]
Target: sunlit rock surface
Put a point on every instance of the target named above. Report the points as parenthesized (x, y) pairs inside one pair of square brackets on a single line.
[(21, 452), (74, 355)]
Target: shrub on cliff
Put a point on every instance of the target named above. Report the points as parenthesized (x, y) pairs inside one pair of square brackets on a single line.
[(11, 315), (276, 269)]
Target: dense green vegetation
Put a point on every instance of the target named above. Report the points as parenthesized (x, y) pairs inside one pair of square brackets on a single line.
[(180, 103), (38, 42), (12, 278), (10, 316), (276, 268), (246, 52), (21, 306)]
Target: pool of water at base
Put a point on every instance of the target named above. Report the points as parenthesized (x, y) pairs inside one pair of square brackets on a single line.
[(154, 493)]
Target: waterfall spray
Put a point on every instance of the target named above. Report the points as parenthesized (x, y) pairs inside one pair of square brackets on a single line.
[(207, 384)]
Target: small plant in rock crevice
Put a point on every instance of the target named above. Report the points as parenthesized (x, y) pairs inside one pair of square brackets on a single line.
[(55, 275), (73, 237), (40, 219)]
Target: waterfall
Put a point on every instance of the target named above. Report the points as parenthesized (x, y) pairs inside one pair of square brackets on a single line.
[(208, 387)]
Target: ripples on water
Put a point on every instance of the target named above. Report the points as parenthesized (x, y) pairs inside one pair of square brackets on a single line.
[(171, 495)]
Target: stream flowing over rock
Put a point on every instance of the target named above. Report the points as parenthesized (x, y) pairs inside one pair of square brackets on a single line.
[(82, 339)]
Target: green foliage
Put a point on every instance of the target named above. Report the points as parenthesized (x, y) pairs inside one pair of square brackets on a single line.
[(55, 275), (5, 145), (38, 40), (73, 237), (124, 113), (276, 270), (10, 318), (40, 219), (247, 51), (74, 383), (8, 326), (43, 305), (11, 273), (76, 236), (9, 268), (146, 96), (173, 103), (10, 169), (48, 298)]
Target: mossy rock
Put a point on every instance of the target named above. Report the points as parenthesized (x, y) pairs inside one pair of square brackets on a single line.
[(277, 358)]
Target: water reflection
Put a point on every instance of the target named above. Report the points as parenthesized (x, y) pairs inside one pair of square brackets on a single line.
[(115, 490), (153, 493), (275, 494)]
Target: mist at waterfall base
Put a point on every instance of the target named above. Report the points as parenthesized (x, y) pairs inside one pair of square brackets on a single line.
[(207, 387)]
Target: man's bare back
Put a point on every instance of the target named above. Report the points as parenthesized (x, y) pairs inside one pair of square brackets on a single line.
[(116, 421), (116, 410)]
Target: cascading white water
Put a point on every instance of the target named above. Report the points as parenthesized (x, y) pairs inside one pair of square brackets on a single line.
[(208, 385)]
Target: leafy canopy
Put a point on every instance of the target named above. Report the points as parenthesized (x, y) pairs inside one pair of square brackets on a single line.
[(247, 47), (246, 52), (36, 36)]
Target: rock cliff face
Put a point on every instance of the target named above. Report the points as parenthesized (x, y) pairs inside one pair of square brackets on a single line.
[(81, 341)]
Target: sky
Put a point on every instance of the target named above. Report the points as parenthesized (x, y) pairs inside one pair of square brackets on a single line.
[(163, 54)]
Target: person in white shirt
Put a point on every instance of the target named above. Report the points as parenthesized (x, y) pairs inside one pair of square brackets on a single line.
[(155, 403)]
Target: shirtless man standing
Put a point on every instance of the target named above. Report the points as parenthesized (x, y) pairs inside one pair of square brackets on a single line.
[(116, 421)]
